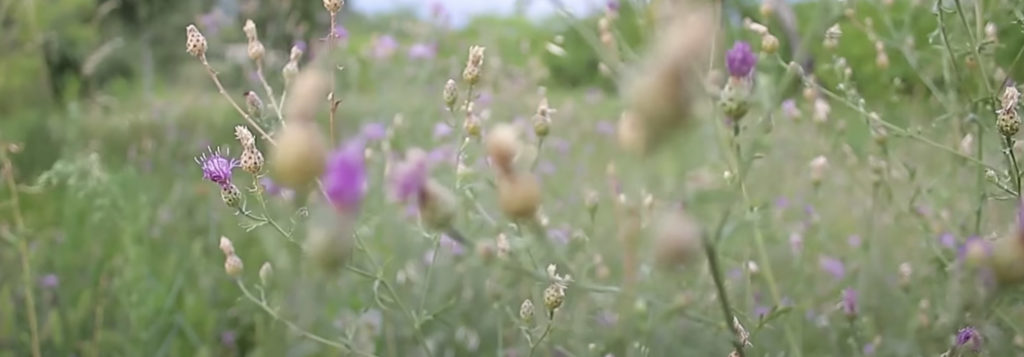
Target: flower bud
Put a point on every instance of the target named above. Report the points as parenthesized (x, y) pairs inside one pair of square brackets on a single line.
[(266, 273), (554, 297), (818, 166), (226, 247), (333, 6), (233, 266), (519, 195), (255, 48), (769, 44), (1008, 123), (299, 156), (251, 160), (231, 195), (473, 65), (882, 60)]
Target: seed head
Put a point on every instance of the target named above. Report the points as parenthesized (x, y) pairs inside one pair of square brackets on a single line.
[(266, 273), (473, 65), (554, 297), (1008, 123), (333, 6), (233, 266), (450, 94), (742, 333), (299, 156), (195, 43), (526, 312), (472, 124), (244, 136)]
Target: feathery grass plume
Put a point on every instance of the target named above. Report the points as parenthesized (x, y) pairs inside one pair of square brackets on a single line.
[(300, 154), (677, 238), (255, 47), (661, 96), (195, 42)]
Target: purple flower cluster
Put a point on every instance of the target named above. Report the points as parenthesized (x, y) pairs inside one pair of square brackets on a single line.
[(968, 337), (740, 60)]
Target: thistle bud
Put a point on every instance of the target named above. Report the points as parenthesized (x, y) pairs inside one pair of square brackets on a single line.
[(231, 196), (233, 266), (437, 205), (502, 146), (266, 273), (677, 238), (991, 32), (832, 36), (291, 69), (253, 104), (818, 166), (226, 247), (251, 160), (450, 94), (195, 43), (769, 44), (255, 48), (735, 98), (554, 297), (542, 119), (471, 125), (299, 156), (519, 195), (1007, 260), (882, 60), (1008, 123), (526, 312)]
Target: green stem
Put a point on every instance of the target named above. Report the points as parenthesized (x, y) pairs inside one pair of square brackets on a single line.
[(547, 330), (723, 298)]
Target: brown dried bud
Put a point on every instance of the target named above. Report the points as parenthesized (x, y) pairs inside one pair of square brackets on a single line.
[(333, 6), (195, 43)]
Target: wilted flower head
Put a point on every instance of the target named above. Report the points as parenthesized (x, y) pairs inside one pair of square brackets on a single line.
[(740, 60), (344, 178), (217, 166), (968, 337)]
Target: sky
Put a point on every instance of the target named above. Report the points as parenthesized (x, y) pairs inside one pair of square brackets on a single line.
[(461, 10)]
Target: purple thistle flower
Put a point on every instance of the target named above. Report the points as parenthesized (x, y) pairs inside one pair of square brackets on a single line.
[(408, 177), (612, 5), (853, 240), (383, 47), (228, 338), (302, 44), (740, 60), (968, 335), (948, 240), (441, 130), (849, 302), (217, 166), (422, 51), (339, 32), (832, 266), (344, 178)]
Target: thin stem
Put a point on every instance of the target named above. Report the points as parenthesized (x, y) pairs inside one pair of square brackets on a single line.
[(723, 298), (547, 330), (26, 267), (341, 344), (430, 270), (1010, 156), (220, 88), (266, 219), (333, 106), (269, 90), (536, 160)]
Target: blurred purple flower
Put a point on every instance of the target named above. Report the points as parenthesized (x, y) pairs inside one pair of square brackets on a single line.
[(796, 242), (302, 44), (612, 5), (607, 318), (212, 21), (853, 240), (849, 302), (441, 130), (869, 349), (968, 335), (374, 131), (559, 235), (422, 51), (227, 338), (790, 110), (948, 240), (408, 177), (781, 203), (344, 178), (546, 168), (339, 32), (452, 245), (270, 187), (832, 266), (761, 311), (605, 127), (740, 60), (217, 166), (559, 144), (49, 281), (973, 244), (483, 100), (383, 47)]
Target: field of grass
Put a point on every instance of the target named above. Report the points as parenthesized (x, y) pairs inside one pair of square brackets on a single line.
[(650, 199)]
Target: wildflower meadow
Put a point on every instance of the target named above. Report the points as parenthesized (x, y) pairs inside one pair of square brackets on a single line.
[(644, 178)]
